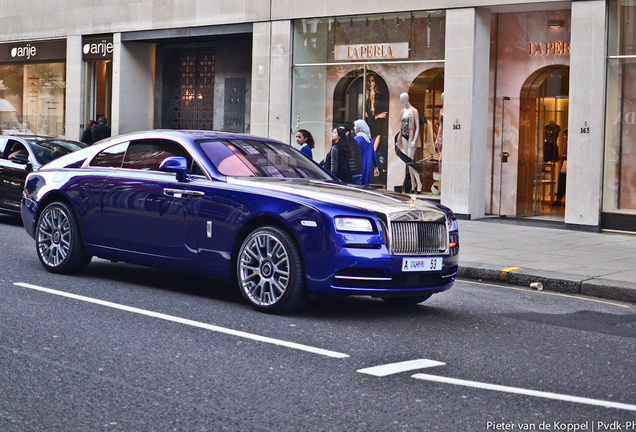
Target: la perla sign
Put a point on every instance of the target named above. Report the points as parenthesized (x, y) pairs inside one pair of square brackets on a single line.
[(549, 48), (383, 51)]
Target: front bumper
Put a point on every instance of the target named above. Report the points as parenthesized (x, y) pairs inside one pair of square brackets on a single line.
[(374, 272)]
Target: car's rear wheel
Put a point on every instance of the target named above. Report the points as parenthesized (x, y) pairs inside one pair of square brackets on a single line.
[(270, 271), (405, 301), (58, 240)]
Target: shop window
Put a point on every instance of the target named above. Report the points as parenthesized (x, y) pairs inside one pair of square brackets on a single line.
[(619, 185), (337, 59), (32, 99)]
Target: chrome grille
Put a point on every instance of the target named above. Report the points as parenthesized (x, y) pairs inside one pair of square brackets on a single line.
[(416, 238)]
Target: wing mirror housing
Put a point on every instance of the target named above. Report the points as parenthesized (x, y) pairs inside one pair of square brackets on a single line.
[(175, 164), (21, 159)]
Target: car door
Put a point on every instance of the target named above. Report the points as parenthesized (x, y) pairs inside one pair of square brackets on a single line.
[(144, 210), (12, 177)]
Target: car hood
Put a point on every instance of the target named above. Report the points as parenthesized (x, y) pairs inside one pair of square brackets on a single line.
[(374, 200)]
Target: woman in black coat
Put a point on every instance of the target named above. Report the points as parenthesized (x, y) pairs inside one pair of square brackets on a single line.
[(340, 154), (87, 136)]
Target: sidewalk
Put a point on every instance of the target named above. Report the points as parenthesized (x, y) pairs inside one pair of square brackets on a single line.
[(594, 264)]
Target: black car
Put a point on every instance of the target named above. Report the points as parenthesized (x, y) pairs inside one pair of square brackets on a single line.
[(19, 155)]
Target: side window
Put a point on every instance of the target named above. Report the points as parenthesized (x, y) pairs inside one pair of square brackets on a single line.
[(14, 147), (195, 169), (111, 157), (148, 154), (3, 141)]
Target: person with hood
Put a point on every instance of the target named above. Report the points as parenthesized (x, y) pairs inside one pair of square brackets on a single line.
[(340, 153), (355, 161), (367, 150)]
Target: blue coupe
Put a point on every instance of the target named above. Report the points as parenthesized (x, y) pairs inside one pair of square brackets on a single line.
[(238, 207)]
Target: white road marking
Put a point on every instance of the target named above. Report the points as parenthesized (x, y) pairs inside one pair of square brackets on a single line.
[(515, 390), (171, 318), (393, 368)]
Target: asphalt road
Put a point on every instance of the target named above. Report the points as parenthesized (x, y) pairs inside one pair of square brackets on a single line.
[(127, 348)]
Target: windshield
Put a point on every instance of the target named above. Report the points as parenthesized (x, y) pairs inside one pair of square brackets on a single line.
[(47, 149), (252, 158)]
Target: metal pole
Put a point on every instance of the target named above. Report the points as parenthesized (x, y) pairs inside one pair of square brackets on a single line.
[(501, 153)]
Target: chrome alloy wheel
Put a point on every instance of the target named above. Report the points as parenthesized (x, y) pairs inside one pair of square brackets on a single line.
[(264, 269), (54, 236)]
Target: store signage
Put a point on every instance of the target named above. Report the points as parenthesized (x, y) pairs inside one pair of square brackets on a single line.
[(97, 49), (386, 51), (28, 52), (549, 48)]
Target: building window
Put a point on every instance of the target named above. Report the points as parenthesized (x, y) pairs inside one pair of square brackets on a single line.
[(32, 98), (341, 63), (619, 185)]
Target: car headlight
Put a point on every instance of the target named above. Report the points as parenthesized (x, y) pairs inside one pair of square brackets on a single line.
[(451, 224), (353, 224)]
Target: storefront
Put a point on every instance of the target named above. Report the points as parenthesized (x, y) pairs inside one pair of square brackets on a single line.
[(619, 183), (33, 88), (97, 54), (351, 68), (529, 106), (202, 76)]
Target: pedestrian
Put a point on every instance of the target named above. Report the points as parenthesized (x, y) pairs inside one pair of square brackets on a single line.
[(369, 160), (306, 142), (563, 172), (355, 161), (100, 130), (338, 162), (87, 136)]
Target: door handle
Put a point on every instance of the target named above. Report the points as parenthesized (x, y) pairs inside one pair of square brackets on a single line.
[(177, 193), (180, 193)]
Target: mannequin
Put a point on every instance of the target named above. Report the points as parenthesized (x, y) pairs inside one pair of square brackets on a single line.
[(410, 136), (440, 134), (550, 138)]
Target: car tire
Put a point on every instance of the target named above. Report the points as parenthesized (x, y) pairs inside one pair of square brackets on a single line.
[(270, 271), (406, 301), (58, 240)]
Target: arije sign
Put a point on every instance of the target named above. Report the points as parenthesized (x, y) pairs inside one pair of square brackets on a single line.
[(30, 52), (97, 49), (26, 51)]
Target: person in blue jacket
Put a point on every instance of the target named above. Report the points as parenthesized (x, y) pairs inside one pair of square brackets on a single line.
[(369, 161), (306, 142)]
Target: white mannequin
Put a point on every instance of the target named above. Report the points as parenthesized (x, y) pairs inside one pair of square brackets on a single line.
[(409, 135)]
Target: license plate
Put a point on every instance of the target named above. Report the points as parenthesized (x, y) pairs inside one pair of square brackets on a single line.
[(421, 264)]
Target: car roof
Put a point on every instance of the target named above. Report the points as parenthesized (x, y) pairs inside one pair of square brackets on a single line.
[(188, 135), (38, 137)]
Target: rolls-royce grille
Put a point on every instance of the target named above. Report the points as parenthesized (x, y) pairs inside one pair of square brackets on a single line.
[(413, 238)]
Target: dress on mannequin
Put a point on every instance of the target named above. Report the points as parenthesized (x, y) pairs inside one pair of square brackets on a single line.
[(550, 147), (375, 110), (410, 136)]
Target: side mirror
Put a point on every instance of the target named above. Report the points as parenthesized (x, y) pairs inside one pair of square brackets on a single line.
[(20, 159), (175, 164)]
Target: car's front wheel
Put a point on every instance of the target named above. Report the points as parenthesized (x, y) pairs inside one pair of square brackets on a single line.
[(270, 271), (58, 240)]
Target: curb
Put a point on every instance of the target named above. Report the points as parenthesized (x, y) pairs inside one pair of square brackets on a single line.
[(552, 281)]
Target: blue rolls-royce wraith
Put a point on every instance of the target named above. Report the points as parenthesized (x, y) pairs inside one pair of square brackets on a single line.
[(237, 207)]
